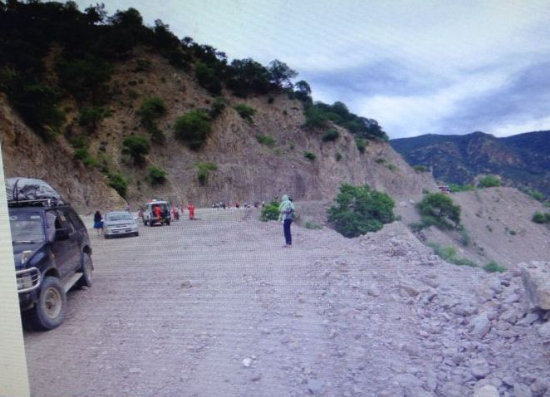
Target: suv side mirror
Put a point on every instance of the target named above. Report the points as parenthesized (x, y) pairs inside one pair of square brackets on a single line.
[(61, 234)]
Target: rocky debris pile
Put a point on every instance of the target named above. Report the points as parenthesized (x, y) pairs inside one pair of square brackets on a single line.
[(405, 323)]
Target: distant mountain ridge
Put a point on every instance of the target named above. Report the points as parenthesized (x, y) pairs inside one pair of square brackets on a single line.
[(522, 161)]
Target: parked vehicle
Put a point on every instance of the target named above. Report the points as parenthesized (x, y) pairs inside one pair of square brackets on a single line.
[(119, 223), (52, 251), (157, 212)]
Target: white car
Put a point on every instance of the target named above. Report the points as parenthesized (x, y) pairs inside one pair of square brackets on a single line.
[(119, 223)]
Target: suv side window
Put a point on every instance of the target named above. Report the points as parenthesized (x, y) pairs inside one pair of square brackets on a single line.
[(65, 221)]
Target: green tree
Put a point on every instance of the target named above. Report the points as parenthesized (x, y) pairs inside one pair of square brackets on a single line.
[(193, 128), (280, 74), (208, 78), (137, 147), (438, 209), (359, 210)]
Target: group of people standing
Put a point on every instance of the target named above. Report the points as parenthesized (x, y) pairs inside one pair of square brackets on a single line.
[(286, 216)]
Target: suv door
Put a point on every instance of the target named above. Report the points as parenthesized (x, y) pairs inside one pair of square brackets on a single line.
[(67, 251)]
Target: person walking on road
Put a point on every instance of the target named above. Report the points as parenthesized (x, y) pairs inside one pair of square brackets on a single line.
[(98, 223), (286, 214), (191, 209)]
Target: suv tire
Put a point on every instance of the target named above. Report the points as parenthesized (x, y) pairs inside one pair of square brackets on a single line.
[(49, 311), (86, 268)]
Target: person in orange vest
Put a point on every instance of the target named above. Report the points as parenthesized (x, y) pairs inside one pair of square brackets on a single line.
[(191, 209), (158, 212)]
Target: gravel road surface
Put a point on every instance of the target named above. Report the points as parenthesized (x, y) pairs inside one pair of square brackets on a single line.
[(212, 307)]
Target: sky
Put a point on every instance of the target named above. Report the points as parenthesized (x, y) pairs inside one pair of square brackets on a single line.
[(416, 66)]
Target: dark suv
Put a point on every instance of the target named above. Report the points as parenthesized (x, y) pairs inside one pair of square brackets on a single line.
[(52, 254)]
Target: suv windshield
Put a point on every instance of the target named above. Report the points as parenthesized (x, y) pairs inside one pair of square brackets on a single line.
[(26, 227)]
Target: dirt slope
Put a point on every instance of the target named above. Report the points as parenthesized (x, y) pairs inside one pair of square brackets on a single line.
[(498, 223)]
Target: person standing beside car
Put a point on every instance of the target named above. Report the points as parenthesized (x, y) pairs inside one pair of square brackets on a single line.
[(98, 222), (286, 214)]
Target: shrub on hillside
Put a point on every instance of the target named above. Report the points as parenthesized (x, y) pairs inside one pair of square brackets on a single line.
[(448, 254), (91, 116), (489, 181), (193, 128), (455, 188), (439, 210), (157, 175), (118, 182), (539, 217), (136, 146), (266, 140), (203, 171), (270, 212), (151, 109), (218, 107), (421, 168), (493, 267), (361, 144), (310, 156), (245, 111), (359, 210), (82, 155), (331, 135)]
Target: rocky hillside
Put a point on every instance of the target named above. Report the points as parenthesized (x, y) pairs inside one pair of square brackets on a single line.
[(522, 160), (260, 135)]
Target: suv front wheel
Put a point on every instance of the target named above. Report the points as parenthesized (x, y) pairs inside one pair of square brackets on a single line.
[(86, 268), (49, 310)]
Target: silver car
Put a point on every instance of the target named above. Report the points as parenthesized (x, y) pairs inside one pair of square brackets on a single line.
[(119, 223)]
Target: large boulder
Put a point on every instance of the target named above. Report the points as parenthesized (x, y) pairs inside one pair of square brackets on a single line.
[(536, 280)]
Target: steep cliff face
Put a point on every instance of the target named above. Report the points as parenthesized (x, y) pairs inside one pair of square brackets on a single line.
[(25, 154), (247, 170)]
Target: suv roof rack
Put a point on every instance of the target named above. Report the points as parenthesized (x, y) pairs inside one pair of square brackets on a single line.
[(31, 192)]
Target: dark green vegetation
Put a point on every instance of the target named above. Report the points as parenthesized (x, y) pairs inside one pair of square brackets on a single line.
[(539, 217), (266, 140), (331, 135), (151, 110), (245, 111), (360, 210), (157, 175), (203, 171), (320, 116), (270, 212), (310, 156), (137, 147), (522, 161), (448, 254), (488, 181), (438, 209), (193, 128), (493, 267)]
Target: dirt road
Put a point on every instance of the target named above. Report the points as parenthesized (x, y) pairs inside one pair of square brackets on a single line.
[(216, 307), (210, 307)]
